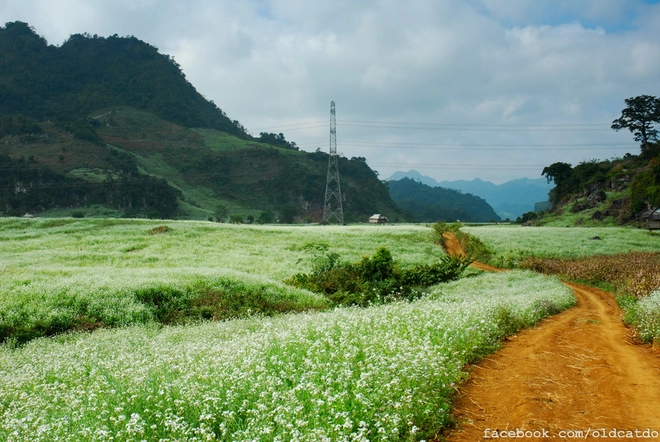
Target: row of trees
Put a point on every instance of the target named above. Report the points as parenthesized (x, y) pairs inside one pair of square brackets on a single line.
[(276, 140)]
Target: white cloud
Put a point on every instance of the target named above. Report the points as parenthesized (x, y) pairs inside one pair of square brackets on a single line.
[(459, 89)]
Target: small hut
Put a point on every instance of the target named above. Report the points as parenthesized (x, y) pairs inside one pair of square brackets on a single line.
[(377, 219), (653, 220)]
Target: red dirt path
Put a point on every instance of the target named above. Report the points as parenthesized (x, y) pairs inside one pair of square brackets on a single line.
[(576, 375)]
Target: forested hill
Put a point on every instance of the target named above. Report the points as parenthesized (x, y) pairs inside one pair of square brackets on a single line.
[(86, 73), (617, 191), (111, 127), (430, 204)]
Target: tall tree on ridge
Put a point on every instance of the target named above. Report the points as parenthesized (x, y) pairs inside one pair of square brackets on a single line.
[(641, 113)]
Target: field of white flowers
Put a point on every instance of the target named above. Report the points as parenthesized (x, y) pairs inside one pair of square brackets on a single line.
[(57, 274), (381, 373), (512, 244)]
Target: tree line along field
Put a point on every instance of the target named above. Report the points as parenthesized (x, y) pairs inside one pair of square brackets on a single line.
[(299, 370)]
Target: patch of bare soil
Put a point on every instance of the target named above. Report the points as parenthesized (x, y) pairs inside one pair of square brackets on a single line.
[(576, 375)]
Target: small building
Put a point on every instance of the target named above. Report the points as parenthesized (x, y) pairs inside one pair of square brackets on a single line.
[(653, 220), (377, 219)]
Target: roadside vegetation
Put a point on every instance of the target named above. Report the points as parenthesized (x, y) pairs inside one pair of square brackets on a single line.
[(474, 247), (625, 261), (510, 245), (374, 279)]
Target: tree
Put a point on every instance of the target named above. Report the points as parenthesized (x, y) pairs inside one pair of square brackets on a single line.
[(221, 213), (288, 212), (558, 173), (276, 140), (639, 117), (562, 175)]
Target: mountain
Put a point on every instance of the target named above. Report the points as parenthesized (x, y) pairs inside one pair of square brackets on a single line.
[(431, 204), (111, 127), (414, 175), (509, 200)]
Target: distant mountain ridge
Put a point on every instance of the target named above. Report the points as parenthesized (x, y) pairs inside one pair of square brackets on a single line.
[(430, 204), (509, 200)]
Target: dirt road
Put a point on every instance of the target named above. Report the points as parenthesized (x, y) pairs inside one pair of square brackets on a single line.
[(576, 375)]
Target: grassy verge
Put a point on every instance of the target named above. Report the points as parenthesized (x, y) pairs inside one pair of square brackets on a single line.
[(513, 244), (634, 277), (623, 260), (472, 245)]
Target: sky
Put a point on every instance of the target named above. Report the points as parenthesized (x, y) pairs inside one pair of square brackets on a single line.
[(455, 89)]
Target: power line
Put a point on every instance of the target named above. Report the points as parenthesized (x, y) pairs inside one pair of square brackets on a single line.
[(489, 127), (478, 127), (501, 147), (433, 146), (461, 166)]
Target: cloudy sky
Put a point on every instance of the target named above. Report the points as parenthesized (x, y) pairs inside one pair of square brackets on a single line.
[(455, 89)]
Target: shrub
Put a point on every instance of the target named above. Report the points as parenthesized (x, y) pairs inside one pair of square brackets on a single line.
[(373, 279)]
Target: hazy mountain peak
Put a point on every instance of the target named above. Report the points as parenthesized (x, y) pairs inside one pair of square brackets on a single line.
[(509, 200)]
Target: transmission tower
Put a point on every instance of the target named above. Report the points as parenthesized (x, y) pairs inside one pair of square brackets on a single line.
[(332, 206)]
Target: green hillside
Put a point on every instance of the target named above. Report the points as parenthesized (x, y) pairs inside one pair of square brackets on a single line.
[(147, 167), (616, 192), (110, 127)]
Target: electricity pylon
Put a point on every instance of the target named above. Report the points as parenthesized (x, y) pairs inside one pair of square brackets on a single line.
[(332, 206)]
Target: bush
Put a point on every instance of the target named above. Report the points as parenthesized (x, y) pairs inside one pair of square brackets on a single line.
[(373, 279)]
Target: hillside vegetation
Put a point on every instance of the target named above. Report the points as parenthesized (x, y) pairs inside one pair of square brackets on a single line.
[(616, 192), (125, 134)]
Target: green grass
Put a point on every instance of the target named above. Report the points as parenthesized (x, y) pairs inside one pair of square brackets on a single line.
[(606, 261), (644, 315), (512, 244)]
